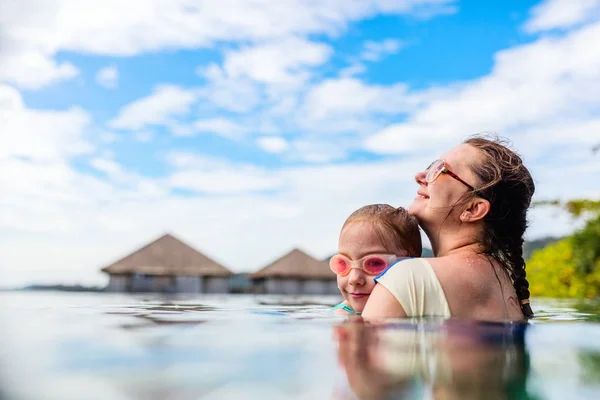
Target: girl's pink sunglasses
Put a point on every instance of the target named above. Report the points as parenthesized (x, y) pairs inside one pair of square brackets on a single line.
[(373, 264)]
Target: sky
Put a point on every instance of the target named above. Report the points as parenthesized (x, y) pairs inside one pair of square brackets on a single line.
[(247, 128)]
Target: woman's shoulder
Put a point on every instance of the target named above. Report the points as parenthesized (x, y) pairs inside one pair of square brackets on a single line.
[(414, 284), (416, 272), (467, 281), (472, 271), (407, 262), (404, 266)]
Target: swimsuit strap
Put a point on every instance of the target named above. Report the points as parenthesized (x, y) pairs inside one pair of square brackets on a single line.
[(343, 307)]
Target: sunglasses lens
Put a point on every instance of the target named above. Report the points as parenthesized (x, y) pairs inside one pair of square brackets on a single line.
[(434, 171), (375, 265), (338, 265)]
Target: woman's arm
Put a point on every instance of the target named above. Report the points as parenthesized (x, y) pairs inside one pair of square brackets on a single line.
[(382, 304)]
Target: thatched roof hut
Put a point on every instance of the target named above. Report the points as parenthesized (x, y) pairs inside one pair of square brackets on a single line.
[(167, 255), (296, 265)]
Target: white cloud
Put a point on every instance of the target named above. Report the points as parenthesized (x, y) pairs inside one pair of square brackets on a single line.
[(160, 108), (108, 77), (143, 136), (237, 179), (375, 51), (372, 51), (560, 14), (40, 135), (264, 73), (350, 96), (276, 62), (235, 95), (352, 70), (272, 144), (562, 223), (129, 184), (108, 137), (42, 193), (183, 159), (219, 126), (338, 127), (214, 176), (313, 150), (553, 81), (106, 165), (32, 70), (34, 31)]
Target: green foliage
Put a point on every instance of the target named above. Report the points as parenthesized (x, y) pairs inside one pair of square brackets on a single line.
[(532, 245), (552, 273), (571, 266), (580, 207), (586, 242), (576, 208), (586, 252)]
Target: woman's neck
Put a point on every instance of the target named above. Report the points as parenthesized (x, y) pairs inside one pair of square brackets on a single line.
[(454, 242)]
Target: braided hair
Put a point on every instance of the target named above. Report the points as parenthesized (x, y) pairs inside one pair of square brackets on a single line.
[(509, 190)]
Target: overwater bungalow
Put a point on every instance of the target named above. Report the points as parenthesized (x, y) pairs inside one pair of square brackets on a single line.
[(167, 265), (295, 273)]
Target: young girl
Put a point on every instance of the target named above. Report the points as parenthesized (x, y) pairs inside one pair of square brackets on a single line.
[(372, 238)]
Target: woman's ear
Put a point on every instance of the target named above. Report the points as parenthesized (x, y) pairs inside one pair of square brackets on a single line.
[(477, 210)]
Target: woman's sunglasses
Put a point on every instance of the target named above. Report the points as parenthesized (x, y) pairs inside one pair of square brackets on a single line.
[(440, 167), (373, 264)]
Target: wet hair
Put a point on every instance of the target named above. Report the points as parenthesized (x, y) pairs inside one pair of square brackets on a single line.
[(509, 187), (391, 224)]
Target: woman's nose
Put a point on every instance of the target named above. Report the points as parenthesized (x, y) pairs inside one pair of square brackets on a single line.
[(357, 277), (420, 178)]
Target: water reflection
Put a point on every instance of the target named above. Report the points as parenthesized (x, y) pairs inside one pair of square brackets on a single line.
[(101, 346), (590, 363), (434, 359)]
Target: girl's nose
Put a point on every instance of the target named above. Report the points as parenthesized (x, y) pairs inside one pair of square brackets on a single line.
[(356, 277)]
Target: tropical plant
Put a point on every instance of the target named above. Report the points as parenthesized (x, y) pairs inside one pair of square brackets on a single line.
[(571, 266)]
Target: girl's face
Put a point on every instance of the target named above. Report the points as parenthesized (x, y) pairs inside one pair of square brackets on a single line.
[(357, 240), (435, 199)]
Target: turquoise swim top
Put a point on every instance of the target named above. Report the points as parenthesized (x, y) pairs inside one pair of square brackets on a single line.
[(343, 307)]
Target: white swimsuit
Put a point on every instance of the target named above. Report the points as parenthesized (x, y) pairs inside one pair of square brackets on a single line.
[(414, 284)]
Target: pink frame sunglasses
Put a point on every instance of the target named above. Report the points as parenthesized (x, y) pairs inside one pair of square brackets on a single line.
[(373, 264)]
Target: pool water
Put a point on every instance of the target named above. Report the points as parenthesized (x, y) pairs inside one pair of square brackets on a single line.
[(108, 346)]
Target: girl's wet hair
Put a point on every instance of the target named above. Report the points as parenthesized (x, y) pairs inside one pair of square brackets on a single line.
[(509, 187), (392, 225)]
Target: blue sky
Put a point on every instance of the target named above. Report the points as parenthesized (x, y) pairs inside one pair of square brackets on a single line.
[(226, 123)]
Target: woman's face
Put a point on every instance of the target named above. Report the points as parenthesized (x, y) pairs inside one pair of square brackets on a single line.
[(435, 199), (357, 240)]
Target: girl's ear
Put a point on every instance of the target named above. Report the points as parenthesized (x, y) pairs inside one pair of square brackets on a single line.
[(477, 210)]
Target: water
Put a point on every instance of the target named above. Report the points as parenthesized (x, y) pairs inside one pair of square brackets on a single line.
[(104, 346)]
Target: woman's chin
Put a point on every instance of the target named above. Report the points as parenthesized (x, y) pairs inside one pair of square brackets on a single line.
[(414, 209)]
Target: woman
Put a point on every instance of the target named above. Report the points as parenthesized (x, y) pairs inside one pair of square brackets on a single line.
[(472, 204)]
